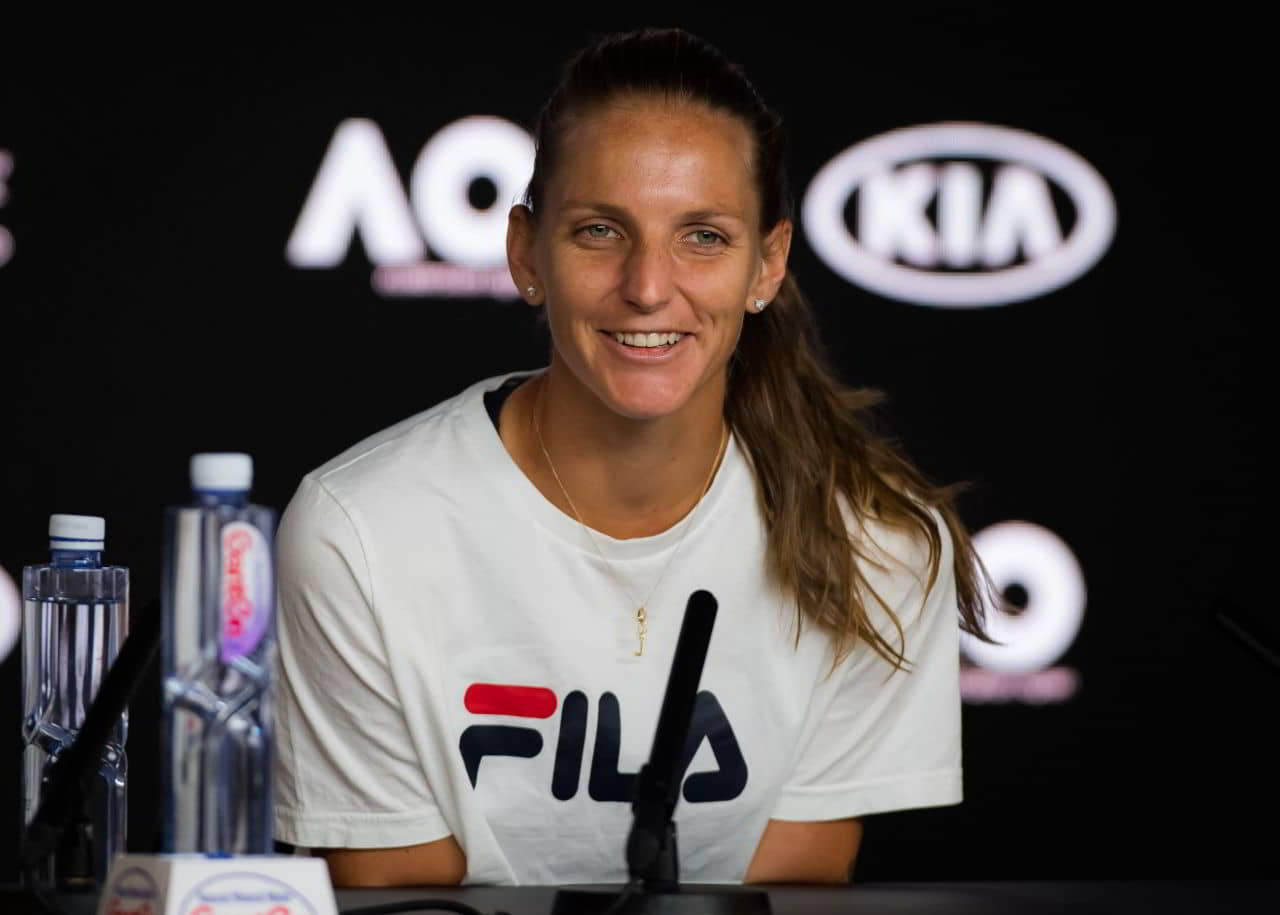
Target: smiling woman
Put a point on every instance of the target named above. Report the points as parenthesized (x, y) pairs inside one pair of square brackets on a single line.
[(539, 534), (651, 229)]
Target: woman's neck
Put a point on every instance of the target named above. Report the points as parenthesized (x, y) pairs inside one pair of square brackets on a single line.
[(620, 476)]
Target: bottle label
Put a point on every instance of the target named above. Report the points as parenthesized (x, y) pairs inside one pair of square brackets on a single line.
[(247, 589)]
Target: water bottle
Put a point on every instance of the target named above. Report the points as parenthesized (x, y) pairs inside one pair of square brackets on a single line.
[(74, 619), (219, 660)]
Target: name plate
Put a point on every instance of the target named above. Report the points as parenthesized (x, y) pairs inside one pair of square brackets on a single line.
[(193, 884)]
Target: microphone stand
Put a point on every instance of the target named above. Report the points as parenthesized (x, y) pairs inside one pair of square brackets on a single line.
[(652, 859), (1251, 634), (64, 797)]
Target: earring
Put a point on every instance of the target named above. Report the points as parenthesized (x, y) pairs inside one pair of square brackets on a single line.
[(531, 291), (759, 304)]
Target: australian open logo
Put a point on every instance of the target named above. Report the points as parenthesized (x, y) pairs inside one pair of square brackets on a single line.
[(959, 215), (244, 894), (133, 892), (441, 232), (1037, 613)]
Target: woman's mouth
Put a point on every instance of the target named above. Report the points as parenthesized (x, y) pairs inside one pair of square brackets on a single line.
[(647, 340)]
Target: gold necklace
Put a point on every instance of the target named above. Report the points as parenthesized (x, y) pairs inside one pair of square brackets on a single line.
[(642, 616)]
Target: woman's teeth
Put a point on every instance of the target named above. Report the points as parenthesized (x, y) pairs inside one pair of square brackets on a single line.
[(648, 339)]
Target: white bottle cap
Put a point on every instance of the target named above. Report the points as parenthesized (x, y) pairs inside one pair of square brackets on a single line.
[(76, 532), (222, 472)]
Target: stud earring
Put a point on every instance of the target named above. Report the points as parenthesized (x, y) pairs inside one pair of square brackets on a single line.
[(531, 291), (759, 304)]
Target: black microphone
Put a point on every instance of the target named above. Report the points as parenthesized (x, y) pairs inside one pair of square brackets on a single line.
[(651, 844), (652, 859), (65, 796)]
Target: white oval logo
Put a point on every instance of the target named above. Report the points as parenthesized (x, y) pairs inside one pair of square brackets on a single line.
[(924, 234)]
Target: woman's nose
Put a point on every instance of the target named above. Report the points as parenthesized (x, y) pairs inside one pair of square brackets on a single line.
[(647, 281)]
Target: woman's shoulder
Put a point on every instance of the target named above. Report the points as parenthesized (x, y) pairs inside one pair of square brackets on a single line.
[(431, 438), (425, 455), (906, 545)]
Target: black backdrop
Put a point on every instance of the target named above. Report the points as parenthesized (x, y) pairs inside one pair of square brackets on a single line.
[(148, 312)]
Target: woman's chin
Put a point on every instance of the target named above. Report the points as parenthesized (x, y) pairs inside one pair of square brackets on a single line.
[(645, 395)]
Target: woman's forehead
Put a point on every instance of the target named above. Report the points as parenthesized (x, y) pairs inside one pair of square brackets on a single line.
[(654, 144)]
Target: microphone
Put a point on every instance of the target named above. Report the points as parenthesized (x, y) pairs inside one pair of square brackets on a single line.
[(652, 859), (651, 844), (64, 797)]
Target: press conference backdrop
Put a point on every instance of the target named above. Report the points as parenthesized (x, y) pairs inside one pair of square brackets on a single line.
[(1028, 232)]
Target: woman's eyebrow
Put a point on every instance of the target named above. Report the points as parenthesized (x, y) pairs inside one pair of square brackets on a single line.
[(607, 209), (616, 212), (710, 215)]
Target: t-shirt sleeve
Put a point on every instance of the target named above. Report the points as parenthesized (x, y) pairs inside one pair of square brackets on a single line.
[(876, 739), (346, 773)]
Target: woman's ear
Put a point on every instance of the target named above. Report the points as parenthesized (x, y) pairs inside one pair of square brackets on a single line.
[(520, 260), (773, 261)]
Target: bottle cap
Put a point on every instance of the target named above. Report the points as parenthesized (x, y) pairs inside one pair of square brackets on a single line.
[(221, 472), (76, 532)]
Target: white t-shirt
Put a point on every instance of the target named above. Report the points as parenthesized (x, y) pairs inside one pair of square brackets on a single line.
[(456, 659)]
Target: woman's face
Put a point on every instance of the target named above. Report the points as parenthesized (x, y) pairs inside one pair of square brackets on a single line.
[(648, 233)]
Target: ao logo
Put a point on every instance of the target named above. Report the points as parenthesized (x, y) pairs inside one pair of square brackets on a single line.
[(6, 238), (968, 255), (357, 189), (1033, 558), (10, 622)]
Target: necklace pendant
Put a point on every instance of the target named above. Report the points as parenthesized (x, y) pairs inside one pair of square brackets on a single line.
[(641, 629)]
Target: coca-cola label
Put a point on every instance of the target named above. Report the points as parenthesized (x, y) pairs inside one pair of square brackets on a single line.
[(247, 589)]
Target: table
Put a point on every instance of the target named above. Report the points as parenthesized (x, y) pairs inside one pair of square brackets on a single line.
[(1237, 897), (1165, 897)]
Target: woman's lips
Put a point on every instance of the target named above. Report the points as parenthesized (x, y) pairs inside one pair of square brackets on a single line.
[(645, 354)]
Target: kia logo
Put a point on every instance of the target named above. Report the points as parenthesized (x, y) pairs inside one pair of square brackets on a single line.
[(958, 215)]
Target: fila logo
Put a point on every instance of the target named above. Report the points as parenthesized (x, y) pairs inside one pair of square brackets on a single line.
[(959, 215), (604, 782)]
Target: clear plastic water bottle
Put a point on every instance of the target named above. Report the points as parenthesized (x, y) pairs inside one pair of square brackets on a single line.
[(219, 663), (75, 616)]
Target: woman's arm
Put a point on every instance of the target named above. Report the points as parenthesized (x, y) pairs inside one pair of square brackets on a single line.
[(789, 852), (438, 863), (813, 852), (347, 775)]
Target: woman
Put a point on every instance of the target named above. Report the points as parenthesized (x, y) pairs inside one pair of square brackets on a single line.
[(480, 604)]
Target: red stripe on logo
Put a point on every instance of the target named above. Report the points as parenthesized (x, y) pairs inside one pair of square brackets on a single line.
[(501, 699)]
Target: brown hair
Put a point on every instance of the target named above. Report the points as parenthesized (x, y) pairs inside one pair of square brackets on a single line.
[(807, 435)]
